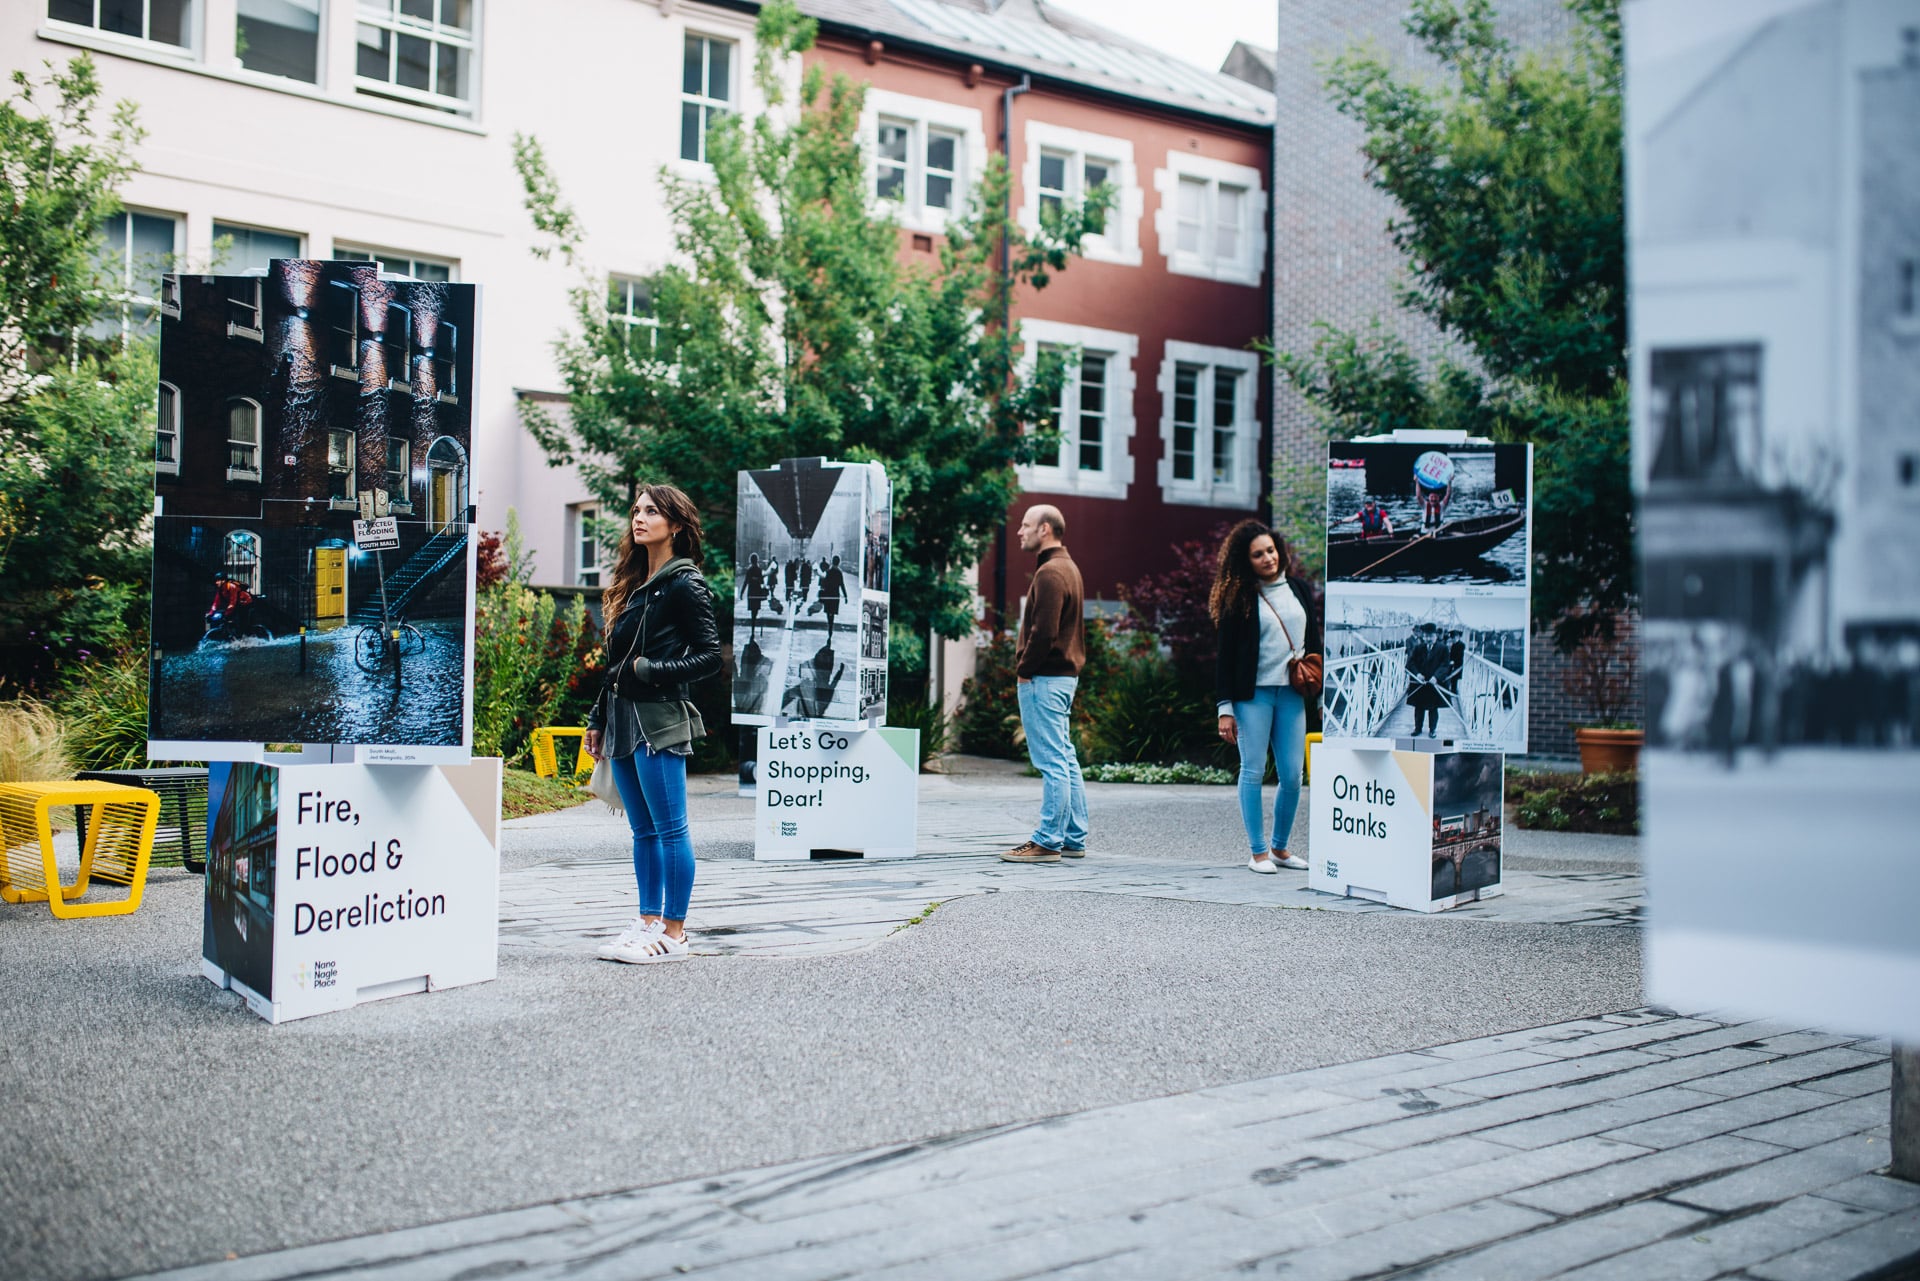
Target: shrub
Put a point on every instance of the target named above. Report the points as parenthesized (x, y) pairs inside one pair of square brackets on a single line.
[(1608, 804), (1133, 703), (1143, 711), (1179, 772), (511, 624), (1172, 607), (104, 706), (916, 713), (989, 708), (33, 743)]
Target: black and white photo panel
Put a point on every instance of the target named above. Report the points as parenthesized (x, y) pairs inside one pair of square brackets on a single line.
[(312, 560), (801, 571), (1428, 513), (1774, 153), (1430, 669)]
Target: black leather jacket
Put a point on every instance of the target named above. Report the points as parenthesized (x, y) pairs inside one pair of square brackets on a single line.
[(669, 626)]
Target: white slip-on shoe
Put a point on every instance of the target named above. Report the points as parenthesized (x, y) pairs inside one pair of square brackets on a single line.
[(1291, 863), (1264, 866)]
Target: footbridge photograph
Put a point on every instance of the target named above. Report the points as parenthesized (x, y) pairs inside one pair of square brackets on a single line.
[(1413, 666)]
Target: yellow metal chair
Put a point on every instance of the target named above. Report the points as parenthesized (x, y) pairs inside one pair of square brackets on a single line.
[(116, 847), (1311, 740), (546, 751)]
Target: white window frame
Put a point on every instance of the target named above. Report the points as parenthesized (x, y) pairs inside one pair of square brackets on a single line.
[(585, 516), (1120, 242), (709, 105), (1244, 267), (434, 33), (321, 37), (921, 115), (390, 261), (630, 320), (256, 444), (1115, 477), (167, 424), (222, 227), (352, 500), (122, 296), (257, 331), (191, 20), (1243, 491)]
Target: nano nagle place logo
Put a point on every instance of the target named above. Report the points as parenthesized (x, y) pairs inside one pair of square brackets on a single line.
[(1333, 868), (789, 829), (325, 973)]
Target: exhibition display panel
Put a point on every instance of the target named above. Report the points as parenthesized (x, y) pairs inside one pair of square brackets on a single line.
[(1418, 830), (312, 564), (827, 793), (1429, 549), (332, 885)]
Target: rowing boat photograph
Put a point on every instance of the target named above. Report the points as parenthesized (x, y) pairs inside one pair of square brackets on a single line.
[(1400, 512)]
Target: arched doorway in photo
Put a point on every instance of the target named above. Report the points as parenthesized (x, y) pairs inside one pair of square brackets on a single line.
[(446, 485)]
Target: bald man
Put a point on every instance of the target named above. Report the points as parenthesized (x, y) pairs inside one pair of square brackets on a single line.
[(1047, 661)]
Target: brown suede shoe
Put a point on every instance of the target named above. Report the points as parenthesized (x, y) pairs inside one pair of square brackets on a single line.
[(1030, 853)]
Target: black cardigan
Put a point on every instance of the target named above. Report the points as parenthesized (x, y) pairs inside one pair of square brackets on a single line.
[(1237, 645)]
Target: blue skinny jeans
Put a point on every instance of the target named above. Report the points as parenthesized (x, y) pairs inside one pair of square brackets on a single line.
[(1274, 719), (653, 786)]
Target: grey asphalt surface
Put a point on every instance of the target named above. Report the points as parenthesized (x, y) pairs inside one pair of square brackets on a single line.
[(155, 1122)]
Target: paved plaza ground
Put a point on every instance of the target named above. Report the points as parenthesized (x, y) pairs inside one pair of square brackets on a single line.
[(1149, 1063)]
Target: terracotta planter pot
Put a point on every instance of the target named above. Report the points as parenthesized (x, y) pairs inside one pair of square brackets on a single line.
[(1608, 751)]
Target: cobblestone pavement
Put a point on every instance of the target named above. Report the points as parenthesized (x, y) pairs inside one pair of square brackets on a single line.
[(1641, 1144), (1637, 1145)]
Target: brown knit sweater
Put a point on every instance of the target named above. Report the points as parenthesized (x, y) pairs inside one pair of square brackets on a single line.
[(1053, 639)]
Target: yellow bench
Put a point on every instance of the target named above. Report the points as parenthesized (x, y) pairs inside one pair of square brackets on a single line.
[(116, 848), (546, 751)]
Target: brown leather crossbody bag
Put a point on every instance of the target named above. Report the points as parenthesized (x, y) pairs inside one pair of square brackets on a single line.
[(1306, 673)]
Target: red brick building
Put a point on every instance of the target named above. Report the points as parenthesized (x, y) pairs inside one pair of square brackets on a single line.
[(1164, 419)]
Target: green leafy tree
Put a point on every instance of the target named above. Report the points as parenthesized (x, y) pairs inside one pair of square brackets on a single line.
[(76, 413), (787, 326), (1507, 175)]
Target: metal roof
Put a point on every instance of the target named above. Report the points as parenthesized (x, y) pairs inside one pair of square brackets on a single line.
[(1057, 47)]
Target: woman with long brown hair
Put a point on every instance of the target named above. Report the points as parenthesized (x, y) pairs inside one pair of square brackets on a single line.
[(661, 637), (1266, 612)]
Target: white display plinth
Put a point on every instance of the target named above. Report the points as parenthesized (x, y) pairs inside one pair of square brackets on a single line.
[(1418, 830), (823, 791), (332, 885)]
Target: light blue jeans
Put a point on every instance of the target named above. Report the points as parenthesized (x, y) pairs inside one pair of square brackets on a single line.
[(653, 787), (1274, 719), (1046, 702)]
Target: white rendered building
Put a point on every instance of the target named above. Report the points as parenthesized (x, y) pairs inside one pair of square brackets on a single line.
[(384, 129)]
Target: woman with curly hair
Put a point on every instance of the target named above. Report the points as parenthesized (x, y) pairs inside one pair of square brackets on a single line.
[(661, 637), (1265, 612)]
